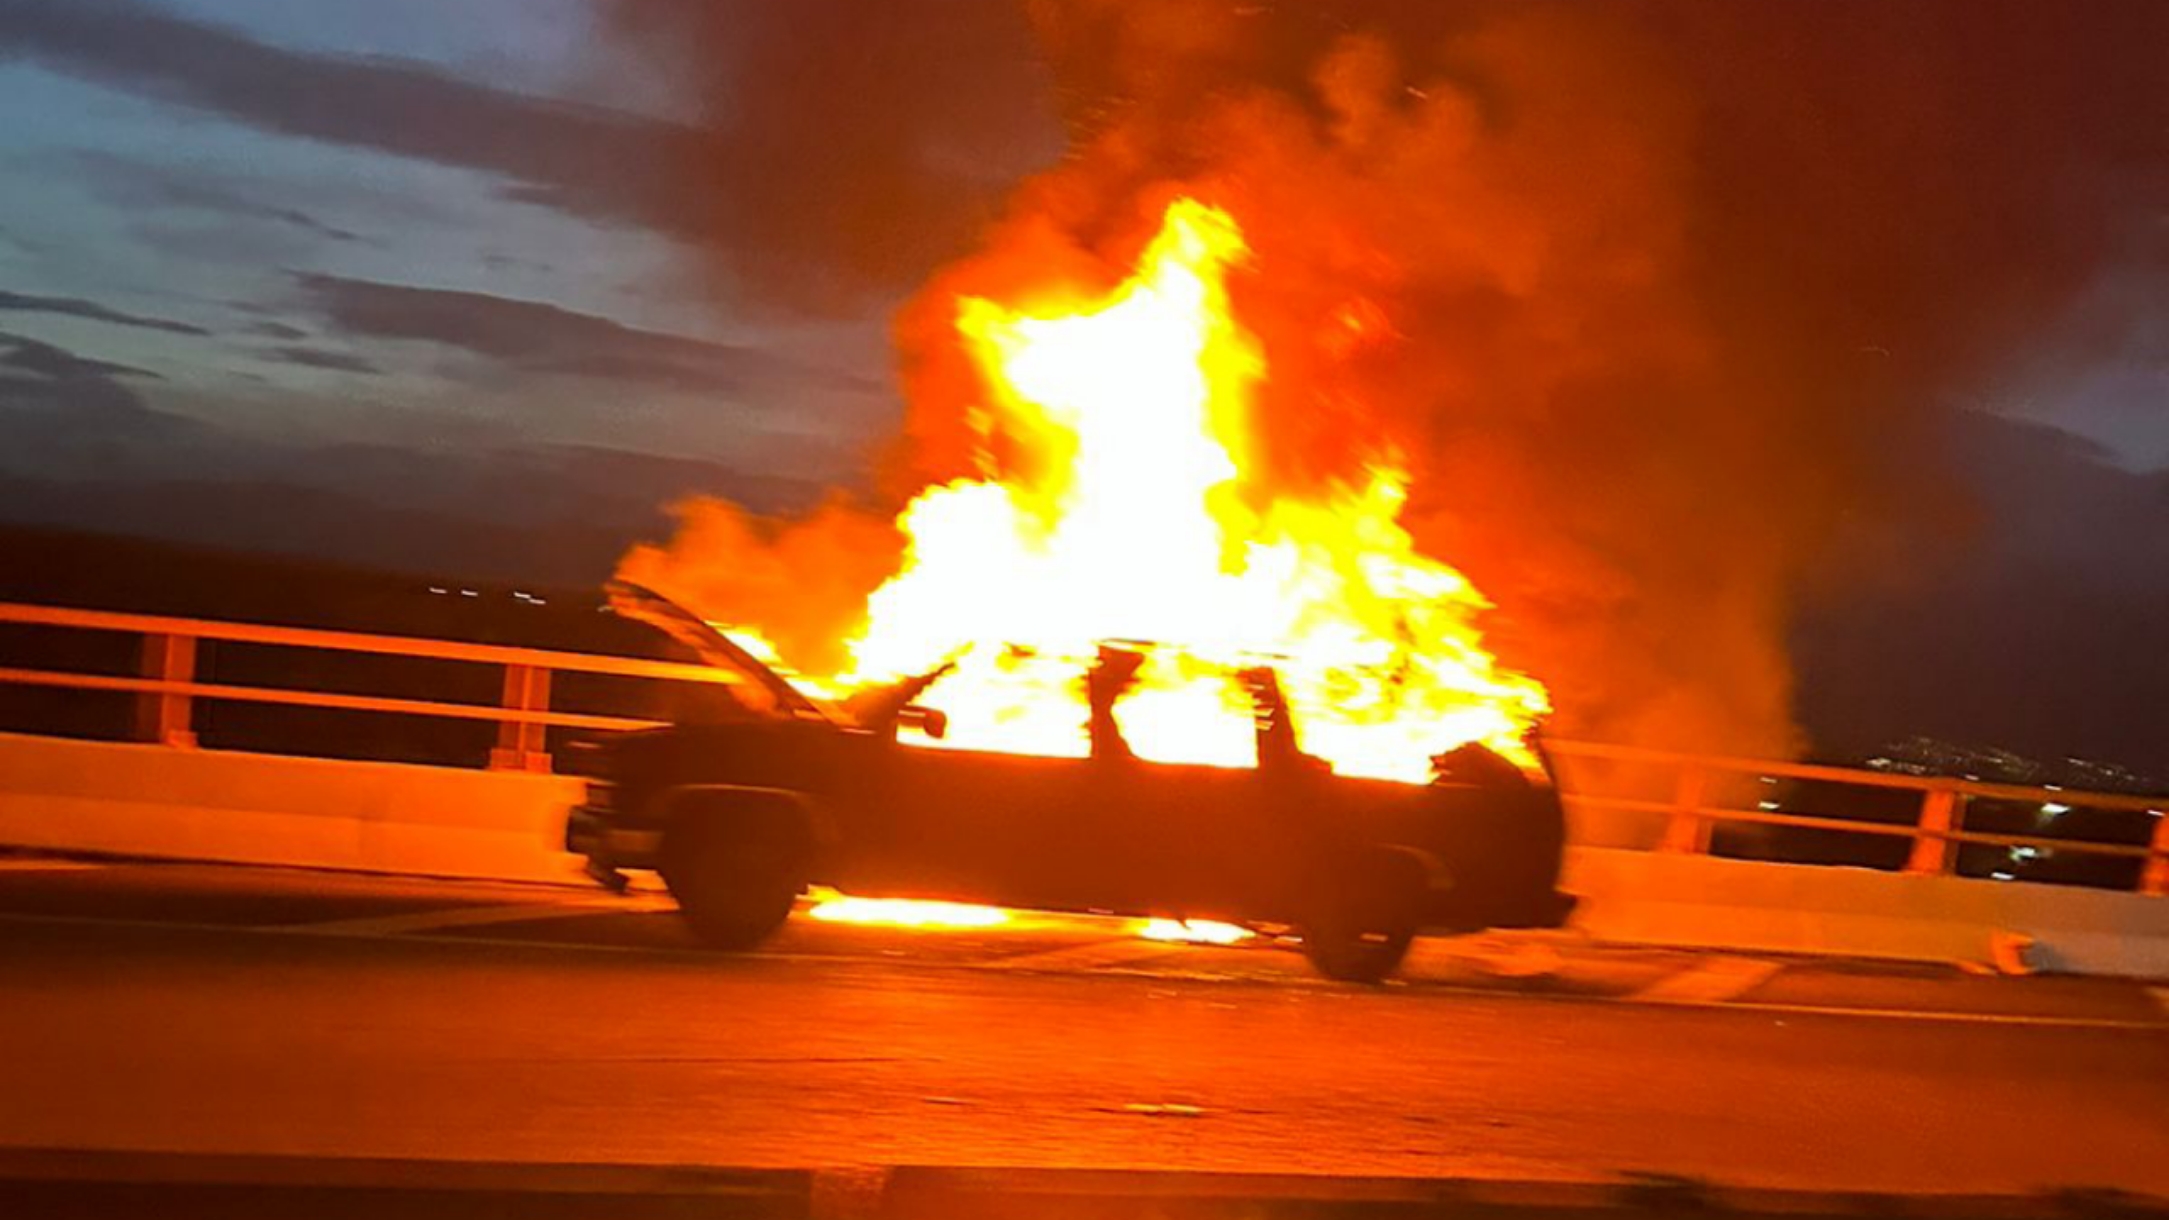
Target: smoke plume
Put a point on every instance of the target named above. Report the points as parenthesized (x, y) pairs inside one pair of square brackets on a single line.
[(1657, 301)]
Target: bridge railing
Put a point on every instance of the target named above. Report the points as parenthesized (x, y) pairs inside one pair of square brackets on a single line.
[(1695, 806), (167, 688), (1693, 787)]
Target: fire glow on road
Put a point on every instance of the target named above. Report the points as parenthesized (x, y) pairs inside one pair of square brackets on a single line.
[(1194, 931), (829, 906), (832, 907)]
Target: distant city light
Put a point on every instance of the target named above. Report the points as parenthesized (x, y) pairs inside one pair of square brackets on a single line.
[(439, 590), (1766, 805), (2052, 808), (1769, 779), (2002, 876), (469, 593)]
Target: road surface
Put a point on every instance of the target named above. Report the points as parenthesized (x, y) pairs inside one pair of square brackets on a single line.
[(254, 1011)]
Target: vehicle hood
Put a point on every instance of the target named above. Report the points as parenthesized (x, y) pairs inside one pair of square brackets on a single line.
[(764, 690)]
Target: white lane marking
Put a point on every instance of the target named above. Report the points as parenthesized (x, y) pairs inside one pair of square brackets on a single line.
[(20, 865), (1715, 981), (1116, 952), (473, 917)]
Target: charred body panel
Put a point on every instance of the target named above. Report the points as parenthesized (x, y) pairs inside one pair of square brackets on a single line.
[(764, 804)]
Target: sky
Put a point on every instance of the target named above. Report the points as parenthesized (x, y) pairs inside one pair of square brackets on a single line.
[(420, 285), (372, 249), (311, 226)]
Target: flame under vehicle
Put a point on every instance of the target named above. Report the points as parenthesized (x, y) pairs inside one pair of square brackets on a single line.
[(742, 805)]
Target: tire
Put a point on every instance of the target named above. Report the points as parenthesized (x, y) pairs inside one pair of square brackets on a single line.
[(1366, 916), (735, 872)]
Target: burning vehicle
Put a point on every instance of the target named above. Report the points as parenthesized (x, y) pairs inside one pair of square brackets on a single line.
[(1304, 726), (767, 789)]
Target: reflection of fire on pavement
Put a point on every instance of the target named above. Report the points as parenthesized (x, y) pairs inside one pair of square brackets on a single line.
[(829, 906), (1193, 931), (832, 907)]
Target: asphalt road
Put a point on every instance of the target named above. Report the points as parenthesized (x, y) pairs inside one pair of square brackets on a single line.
[(250, 1011)]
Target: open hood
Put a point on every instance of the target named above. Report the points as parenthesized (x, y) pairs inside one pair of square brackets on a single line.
[(764, 690)]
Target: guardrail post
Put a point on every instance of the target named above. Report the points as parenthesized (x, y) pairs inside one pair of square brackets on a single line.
[(2155, 880), (1941, 810), (163, 716), (1688, 832), (522, 745)]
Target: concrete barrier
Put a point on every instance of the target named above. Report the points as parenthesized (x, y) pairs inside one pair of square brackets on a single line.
[(148, 800), (1705, 902)]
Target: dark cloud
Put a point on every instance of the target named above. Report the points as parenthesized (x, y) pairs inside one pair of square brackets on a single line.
[(582, 159), (540, 338), (850, 146), (2037, 623), (43, 364), (271, 329), (141, 184), (75, 307), (65, 416), (219, 242), (539, 514), (323, 358), (2041, 495), (80, 447), (497, 260)]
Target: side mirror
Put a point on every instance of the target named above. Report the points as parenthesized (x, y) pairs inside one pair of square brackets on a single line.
[(931, 721)]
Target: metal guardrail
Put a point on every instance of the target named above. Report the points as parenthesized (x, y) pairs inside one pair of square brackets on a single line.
[(167, 689), (1936, 833)]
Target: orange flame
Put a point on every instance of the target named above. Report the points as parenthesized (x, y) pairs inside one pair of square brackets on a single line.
[(1130, 523)]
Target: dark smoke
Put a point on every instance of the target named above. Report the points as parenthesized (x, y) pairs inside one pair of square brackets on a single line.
[(849, 146), (1658, 300)]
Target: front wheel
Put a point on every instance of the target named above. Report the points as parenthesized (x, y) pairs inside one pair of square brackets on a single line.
[(1365, 917), (735, 877)]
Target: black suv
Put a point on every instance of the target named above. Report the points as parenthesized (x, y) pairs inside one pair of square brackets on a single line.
[(743, 804)]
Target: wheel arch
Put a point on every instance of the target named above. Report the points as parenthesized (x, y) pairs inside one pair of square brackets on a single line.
[(1438, 876)]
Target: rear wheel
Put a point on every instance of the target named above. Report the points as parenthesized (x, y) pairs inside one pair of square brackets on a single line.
[(1366, 916), (735, 874)]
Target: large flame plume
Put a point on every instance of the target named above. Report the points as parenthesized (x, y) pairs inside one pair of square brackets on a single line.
[(1686, 300), (1125, 518)]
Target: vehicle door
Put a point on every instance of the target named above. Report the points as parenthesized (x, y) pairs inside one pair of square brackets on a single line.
[(965, 825)]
